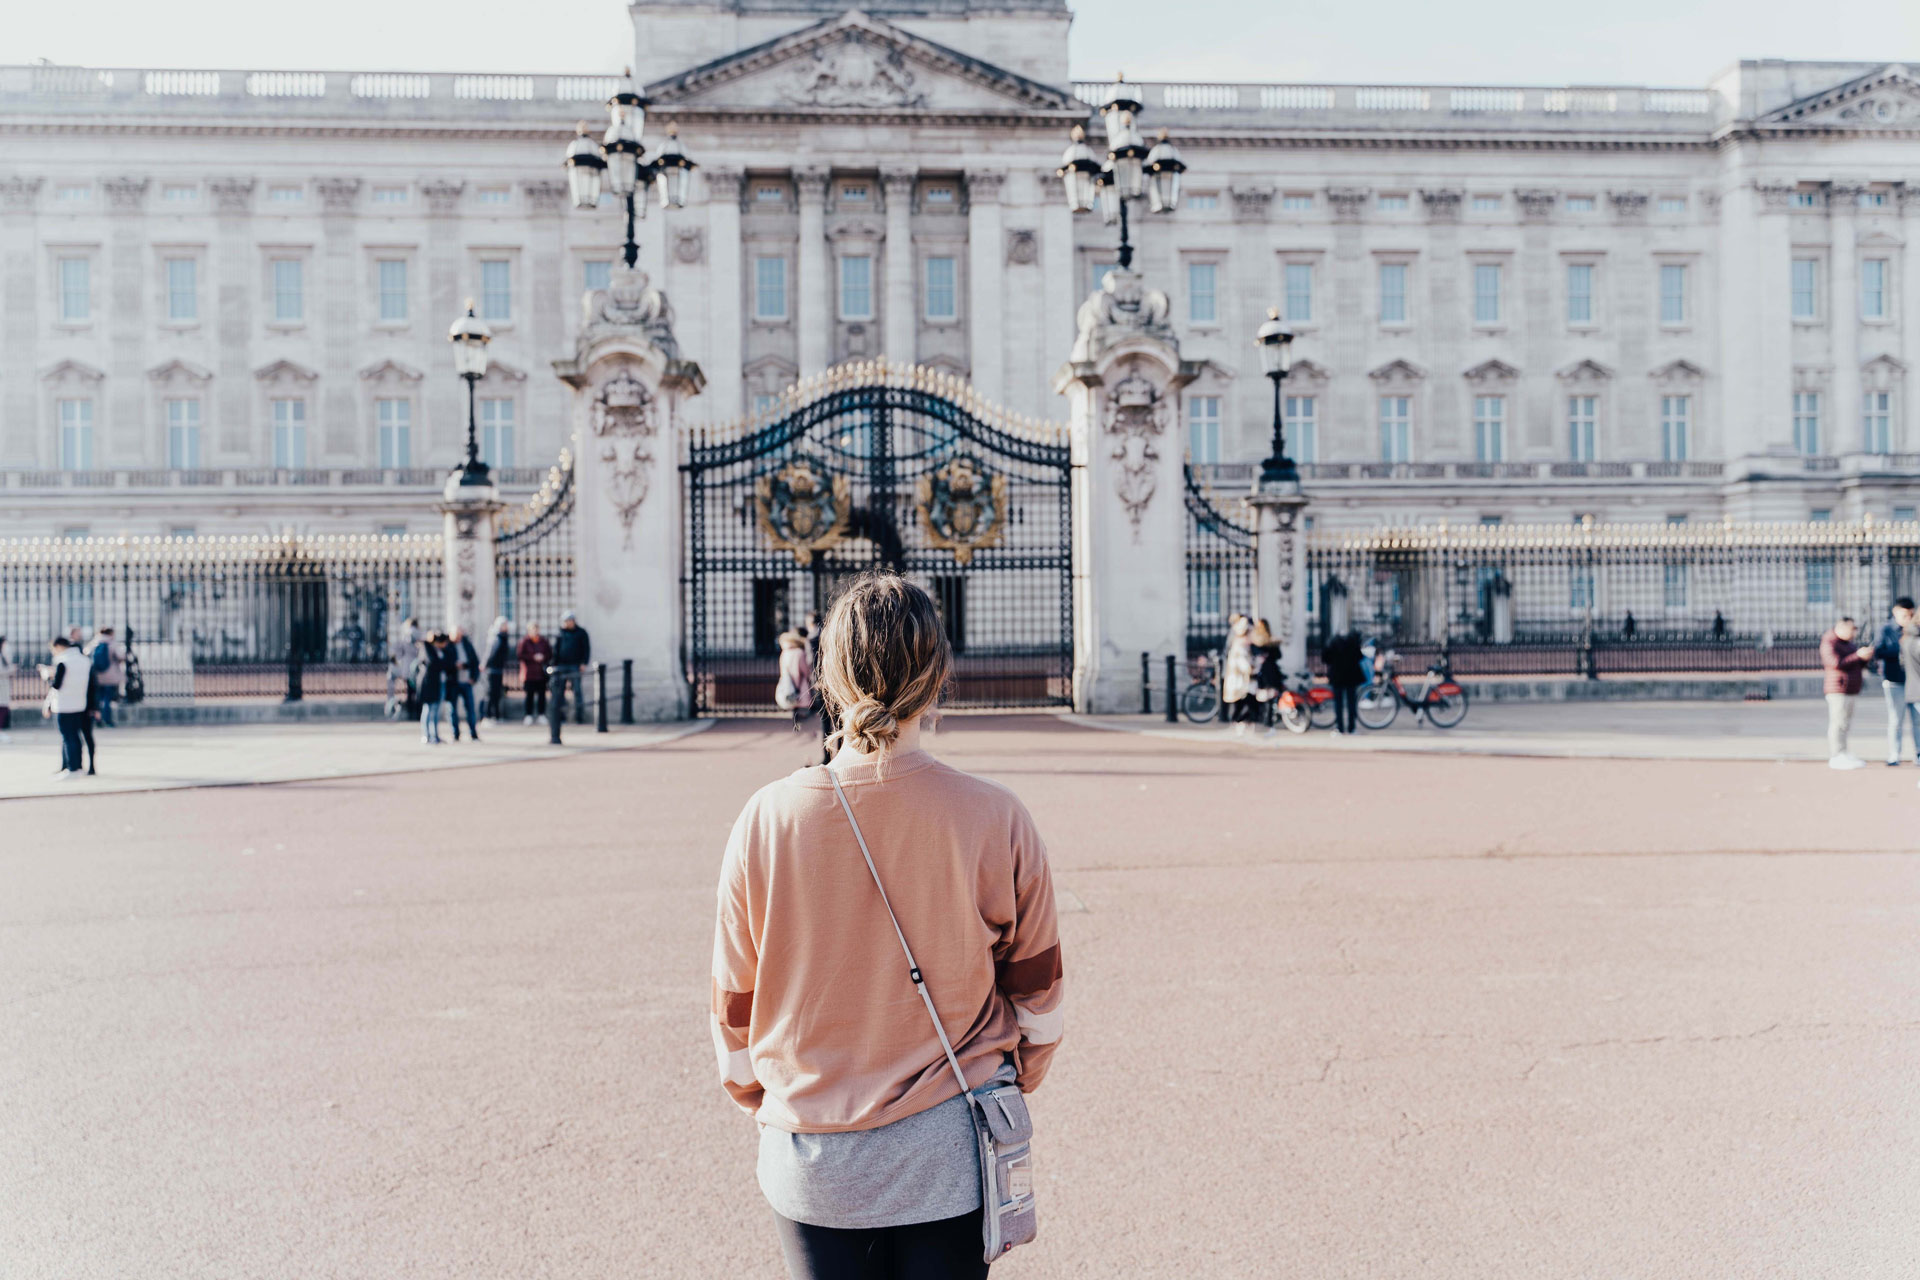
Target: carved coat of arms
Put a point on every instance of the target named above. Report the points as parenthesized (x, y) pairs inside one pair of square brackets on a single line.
[(1136, 416), (625, 417), (963, 508), (803, 510)]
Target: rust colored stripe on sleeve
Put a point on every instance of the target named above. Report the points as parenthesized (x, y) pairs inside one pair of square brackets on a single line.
[(733, 1008), (1032, 975)]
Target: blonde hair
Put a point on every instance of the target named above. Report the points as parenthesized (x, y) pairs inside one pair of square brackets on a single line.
[(883, 660)]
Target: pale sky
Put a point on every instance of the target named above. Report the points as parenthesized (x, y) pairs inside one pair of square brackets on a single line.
[(1661, 42)]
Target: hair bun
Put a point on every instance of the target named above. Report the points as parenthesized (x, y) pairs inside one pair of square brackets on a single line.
[(869, 724)]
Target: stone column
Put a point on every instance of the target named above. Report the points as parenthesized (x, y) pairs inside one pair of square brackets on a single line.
[(902, 328), (547, 313), (1532, 431), (1636, 318), (20, 296), (1771, 427), (472, 589), (1058, 267), (813, 295), (443, 432), (1840, 432), (228, 431), (1123, 386), (1280, 568), (727, 302), (122, 438), (1449, 317), (340, 437), (629, 385), (1250, 285), (1906, 430), (985, 355)]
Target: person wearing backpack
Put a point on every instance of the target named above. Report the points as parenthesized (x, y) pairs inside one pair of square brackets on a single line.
[(885, 938), (109, 659)]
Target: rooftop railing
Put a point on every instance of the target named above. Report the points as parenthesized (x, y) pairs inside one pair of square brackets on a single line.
[(57, 88), (1668, 108), (147, 478)]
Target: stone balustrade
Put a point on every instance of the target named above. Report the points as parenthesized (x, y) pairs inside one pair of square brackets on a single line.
[(1622, 107), (146, 479)]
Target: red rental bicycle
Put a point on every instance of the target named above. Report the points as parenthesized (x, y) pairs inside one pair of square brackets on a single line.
[(1441, 699)]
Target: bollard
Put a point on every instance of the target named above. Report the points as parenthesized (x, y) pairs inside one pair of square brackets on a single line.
[(556, 715), (1173, 712), (626, 691), (600, 698), (1220, 685), (294, 692), (1146, 683)]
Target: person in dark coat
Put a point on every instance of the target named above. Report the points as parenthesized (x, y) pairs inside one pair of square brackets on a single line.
[(436, 674), (1345, 675), (572, 651), (466, 674), (499, 654), (1844, 658), (535, 653)]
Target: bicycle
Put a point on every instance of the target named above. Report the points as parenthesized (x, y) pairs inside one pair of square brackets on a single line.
[(1201, 702), (1441, 699)]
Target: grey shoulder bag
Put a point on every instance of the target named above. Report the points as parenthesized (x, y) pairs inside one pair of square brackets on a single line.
[(1001, 1124)]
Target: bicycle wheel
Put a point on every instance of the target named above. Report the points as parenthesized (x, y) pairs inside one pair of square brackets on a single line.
[(1293, 717), (1321, 711), (1378, 706), (1201, 703), (1446, 705)]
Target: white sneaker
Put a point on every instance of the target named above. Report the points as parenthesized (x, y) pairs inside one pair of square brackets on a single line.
[(526, 719), (67, 775), (1846, 762)]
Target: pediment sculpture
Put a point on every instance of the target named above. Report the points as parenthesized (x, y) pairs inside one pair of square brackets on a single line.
[(630, 301), (854, 73), (625, 417), (1136, 416), (1122, 307)]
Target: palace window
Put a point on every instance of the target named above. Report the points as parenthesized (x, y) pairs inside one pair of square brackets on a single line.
[(183, 291), (1819, 580), (395, 420), (1296, 200), (767, 193), (289, 434), (73, 193), (1203, 428), (1806, 198), (76, 290), (289, 300), (1676, 417), (1873, 289), (1806, 279), (1202, 200), (393, 290), (939, 195), (1303, 428), (857, 192), (1673, 294), (1673, 204), (183, 434), (1486, 293), (1486, 204), (1393, 293), (770, 288), (1396, 414), (285, 195), (1806, 422), (856, 287), (494, 195), (76, 434), (1877, 421), (389, 195), (179, 193), (1579, 204), (1580, 420), (1202, 303), (1391, 203), (496, 431), (1299, 292), (596, 274), (1579, 293), (942, 300), (496, 289), (1489, 428)]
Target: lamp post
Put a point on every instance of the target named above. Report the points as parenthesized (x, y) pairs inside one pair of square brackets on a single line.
[(616, 163), (1275, 341), (470, 337), (1132, 170)]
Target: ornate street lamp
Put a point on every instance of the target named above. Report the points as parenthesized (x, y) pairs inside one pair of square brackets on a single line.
[(1275, 341), (470, 337), (617, 163), (1132, 168)]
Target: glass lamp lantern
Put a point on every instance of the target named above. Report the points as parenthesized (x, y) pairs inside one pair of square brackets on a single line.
[(1108, 192), (1079, 172), (1164, 167), (1275, 341), (673, 172), (622, 142), (470, 337), (585, 170), (1126, 154)]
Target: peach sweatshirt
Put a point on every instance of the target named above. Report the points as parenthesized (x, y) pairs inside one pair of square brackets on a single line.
[(816, 1023)]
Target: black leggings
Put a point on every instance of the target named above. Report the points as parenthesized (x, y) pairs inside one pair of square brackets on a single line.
[(945, 1250)]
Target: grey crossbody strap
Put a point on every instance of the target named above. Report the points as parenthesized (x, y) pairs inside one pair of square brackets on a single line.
[(913, 967)]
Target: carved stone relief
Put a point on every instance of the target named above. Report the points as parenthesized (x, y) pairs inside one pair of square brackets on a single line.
[(232, 195), (1136, 416), (19, 194), (1348, 202), (1536, 203), (629, 299), (1023, 248), (855, 73), (689, 245), (1443, 205), (1123, 306), (443, 197), (126, 195), (546, 195), (624, 418), (338, 195)]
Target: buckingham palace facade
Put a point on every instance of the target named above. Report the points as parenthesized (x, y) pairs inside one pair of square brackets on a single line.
[(227, 292)]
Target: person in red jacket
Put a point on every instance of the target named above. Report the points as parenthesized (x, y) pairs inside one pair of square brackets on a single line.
[(535, 653), (1844, 659)]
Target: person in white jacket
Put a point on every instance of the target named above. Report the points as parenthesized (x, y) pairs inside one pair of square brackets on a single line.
[(67, 678)]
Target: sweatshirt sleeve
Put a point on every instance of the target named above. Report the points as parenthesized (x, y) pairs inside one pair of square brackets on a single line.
[(736, 962), (1027, 967)]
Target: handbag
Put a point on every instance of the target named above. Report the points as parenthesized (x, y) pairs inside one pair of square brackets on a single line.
[(1002, 1126)]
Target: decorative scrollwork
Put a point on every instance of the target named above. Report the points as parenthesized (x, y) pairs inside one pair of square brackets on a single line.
[(963, 508), (802, 510), (1136, 416)]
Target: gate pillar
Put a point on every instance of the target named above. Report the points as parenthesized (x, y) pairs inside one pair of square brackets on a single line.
[(1280, 568), (629, 385), (1129, 519), (472, 591)]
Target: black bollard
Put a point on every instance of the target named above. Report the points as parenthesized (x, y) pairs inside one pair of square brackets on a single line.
[(600, 698), (1146, 683), (626, 691), (1173, 711), (555, 714), (294, 692)]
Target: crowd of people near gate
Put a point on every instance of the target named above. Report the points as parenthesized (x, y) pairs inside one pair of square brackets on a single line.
[(1253, 686), (85, 677), (1849, 658), (793, 692), (431, 673)]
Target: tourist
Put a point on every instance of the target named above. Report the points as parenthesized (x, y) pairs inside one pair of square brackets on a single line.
[(1903, 717), (1910, 663), (794, 692), (466, 673), (109, 658), (499, 653), (66, 678), (434, 676), (815, 624), (6, 694), (572, 651), (866, 1146), (1268, 680), (1236, 677), (535, 655), (1345, 675), (1844, 660)]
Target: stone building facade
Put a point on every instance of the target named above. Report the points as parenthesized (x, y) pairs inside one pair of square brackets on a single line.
[(227, 292)]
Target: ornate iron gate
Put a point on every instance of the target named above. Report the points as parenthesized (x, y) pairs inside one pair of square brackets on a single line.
[(874, 466), (1220, 570), (533, 555)]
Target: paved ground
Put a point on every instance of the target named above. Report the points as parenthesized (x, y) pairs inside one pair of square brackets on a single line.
[(1370, 1016)]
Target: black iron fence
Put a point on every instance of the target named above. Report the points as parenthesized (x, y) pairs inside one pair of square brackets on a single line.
[(1220, 568), (224, 617), (533, 555), (1594, 599)]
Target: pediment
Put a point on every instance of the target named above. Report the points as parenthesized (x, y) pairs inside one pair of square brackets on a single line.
[(504, 372), (1492, 371), (1885, 99), (1309, 371), (179, 369), (1678, 371), (72, 369), (856, 63), (1585, 371), (1398, 371), (390, 369), (284, 370)]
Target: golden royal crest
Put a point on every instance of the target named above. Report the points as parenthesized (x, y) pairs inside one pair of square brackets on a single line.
[(963, 508), (801, 510)]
